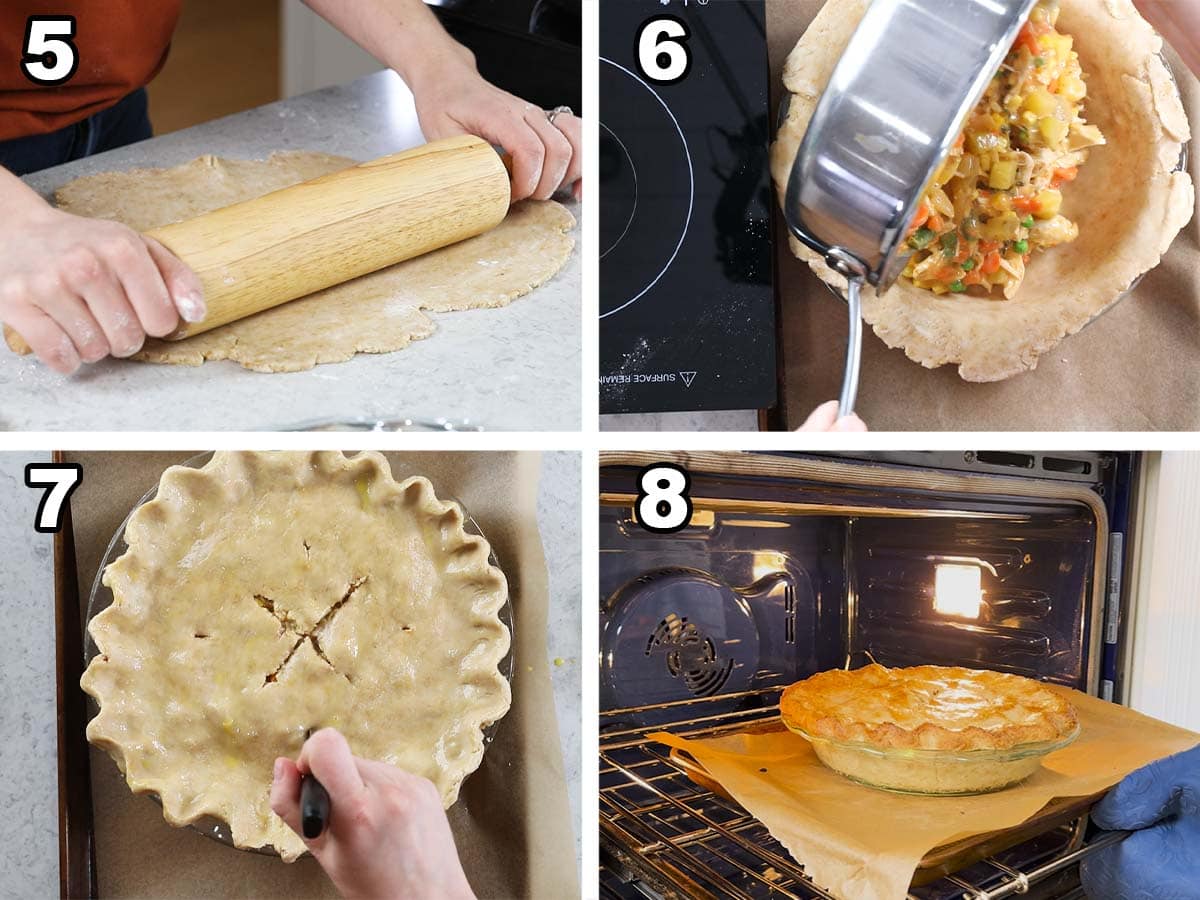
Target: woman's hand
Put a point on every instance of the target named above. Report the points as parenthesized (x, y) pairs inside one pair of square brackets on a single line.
[(825, 418), (387, 834), (79, 289), (453, 98), (546, 155), (1160, 804)]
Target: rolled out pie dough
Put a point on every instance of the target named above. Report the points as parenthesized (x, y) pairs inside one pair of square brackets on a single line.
[(377, 313)]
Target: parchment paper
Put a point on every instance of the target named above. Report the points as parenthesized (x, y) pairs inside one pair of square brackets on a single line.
[(865, 844), (512, 821), (1137, 367)]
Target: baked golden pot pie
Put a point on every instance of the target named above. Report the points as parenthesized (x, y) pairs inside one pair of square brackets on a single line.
[(267, 594), (929, 729), (1104, 190)]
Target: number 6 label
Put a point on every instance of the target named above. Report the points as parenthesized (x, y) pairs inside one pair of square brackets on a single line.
[(61, 479), (663, 504), (662, 52), (49, 57)]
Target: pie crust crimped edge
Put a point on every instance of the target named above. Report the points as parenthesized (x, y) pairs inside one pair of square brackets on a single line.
[(110, 729), (809, 706)]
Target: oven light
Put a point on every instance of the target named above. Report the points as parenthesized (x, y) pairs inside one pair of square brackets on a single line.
[(957, 590), (767, 563)]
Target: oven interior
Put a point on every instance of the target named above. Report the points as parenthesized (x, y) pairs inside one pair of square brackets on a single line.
[(776, 578)]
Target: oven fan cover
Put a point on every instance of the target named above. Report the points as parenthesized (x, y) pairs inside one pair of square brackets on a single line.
[(676, 634)]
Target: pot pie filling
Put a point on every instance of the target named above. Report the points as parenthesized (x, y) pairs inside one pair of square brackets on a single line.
[(268, 594), (997, 197)]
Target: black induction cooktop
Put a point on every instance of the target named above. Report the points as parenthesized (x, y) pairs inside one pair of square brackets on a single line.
[(687, 310)]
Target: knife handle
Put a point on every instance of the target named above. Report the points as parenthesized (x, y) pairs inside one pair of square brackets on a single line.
[(314, 807)]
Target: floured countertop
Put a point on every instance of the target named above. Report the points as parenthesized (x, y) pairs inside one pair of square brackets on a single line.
[(512, 368)]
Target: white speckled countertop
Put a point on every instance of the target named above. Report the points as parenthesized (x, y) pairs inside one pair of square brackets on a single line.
[(28, 753), (559, 521), (28, 705), (730, 420), (514, 368)]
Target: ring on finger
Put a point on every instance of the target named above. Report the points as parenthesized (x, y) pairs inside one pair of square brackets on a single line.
[(553, 114)]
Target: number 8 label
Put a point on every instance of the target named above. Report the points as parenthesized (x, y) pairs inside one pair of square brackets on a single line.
[(663, 504)]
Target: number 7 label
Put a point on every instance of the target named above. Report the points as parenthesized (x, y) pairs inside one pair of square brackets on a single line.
[(61, 479)]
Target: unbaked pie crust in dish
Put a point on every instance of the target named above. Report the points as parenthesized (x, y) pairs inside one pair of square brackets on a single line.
[(1129, 202), (267, 594), (929, 729)]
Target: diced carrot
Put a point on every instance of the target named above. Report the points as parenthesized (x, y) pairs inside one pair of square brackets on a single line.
[(991, 263), (1026, 205), (935, 222), (1028, 39), (1062, 175), (973, 277), (921, 218)]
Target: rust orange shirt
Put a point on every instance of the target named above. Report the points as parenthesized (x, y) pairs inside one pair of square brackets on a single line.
[(121, 45)]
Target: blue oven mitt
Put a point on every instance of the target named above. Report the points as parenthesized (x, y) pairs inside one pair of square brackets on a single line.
[(1160, 804)]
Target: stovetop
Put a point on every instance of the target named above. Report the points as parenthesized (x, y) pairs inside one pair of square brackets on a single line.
[(687, 310)]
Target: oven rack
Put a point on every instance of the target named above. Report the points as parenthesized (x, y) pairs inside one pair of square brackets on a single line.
[(682, 840)]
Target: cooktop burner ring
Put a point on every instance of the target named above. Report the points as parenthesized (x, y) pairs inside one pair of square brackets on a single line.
[(632, 79), (604, 251)]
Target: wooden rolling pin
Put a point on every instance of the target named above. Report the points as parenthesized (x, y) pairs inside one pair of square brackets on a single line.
[(308, 237)]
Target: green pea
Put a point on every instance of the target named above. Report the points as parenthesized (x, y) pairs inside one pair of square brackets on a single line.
[(1021, 247), (958, 287), (968, 265), (922, 239)]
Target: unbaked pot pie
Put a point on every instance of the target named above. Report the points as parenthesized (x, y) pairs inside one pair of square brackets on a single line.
[(267, 594), (929, 729)]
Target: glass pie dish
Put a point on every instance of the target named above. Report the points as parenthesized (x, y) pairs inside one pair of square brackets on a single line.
[(945, 773)]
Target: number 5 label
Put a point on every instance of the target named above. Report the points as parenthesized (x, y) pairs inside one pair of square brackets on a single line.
[(663, 504), (49, 57), (662, 52), (61, 479)]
